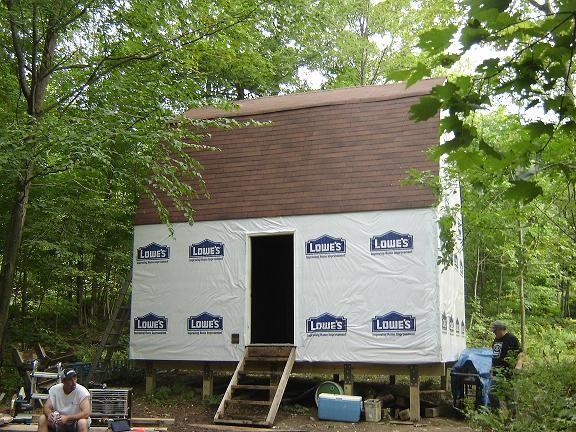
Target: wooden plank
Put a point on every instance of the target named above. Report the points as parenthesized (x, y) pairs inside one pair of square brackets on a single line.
[(232, 428), (34, 427), (269, 350), (159, 421), (281, 387), (134, 421), (253, 387), (426, 369), (248, 402), (207, 382), (266, 359)]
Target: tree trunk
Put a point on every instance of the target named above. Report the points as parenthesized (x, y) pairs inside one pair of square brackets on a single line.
[(80, 292), (24, 295), (12, 246), (500, 288), (521, 291), (477, 273)]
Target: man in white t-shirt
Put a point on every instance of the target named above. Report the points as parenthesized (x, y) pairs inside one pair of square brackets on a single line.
[(68, 406)]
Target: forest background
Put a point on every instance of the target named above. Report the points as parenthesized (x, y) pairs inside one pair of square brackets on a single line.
[(87, 88)]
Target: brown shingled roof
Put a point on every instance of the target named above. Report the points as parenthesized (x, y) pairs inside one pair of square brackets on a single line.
[(337, 151)]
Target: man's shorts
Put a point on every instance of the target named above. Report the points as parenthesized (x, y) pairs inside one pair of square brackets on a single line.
[(68, 427)]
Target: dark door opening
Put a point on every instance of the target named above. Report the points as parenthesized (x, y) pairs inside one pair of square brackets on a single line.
[(272, 284)]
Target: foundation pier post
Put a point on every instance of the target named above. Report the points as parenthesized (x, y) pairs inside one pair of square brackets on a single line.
[(414, 394), (348, 380), (207, 382), (150, 378)]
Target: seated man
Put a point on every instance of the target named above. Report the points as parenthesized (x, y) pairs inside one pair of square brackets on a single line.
[(68, 406)]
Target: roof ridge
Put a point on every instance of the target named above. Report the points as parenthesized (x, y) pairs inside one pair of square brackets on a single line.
[(338, 96)]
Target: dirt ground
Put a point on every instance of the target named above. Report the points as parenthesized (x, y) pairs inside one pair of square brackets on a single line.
[(179, 398)]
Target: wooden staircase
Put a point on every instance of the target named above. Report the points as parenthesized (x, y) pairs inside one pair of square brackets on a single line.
[(257, 386)]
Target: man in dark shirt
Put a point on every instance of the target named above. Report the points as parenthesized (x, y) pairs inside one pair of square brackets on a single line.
[(506, 356)]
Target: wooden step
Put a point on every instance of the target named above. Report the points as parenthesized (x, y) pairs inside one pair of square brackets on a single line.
[(267, 359), (242, 422), (254, 365), (269, 351), (259, 373), (253, 387), (248, 402)]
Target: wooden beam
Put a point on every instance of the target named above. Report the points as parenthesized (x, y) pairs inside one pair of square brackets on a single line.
[(34, 427), (151, 421), (221, 427), (414, 394), (348, 380), (150, 377), (281, 387)]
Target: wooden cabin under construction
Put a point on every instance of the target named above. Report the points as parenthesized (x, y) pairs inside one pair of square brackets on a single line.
[(311, 254)]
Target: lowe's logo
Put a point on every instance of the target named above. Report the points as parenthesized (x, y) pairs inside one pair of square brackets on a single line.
[(326, 324), (325, 246), (206, 250), (394, 323), (205, 323), (150, 323), (391, 242), (152, 253)]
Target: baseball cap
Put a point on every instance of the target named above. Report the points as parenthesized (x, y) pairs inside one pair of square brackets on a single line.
[(68, 373), (498, 325)]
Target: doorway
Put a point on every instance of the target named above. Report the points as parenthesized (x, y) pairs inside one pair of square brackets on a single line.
[(272, 289)]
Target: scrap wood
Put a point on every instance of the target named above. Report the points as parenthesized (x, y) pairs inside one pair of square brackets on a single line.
[(221, 427), (5, 420), (34, 428), (135, 421), (160, 421)]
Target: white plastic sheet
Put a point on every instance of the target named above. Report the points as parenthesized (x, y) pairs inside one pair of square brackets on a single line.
[(367, 288)]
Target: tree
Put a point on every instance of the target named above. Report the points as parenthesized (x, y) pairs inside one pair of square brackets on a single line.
[(531, 66), (365, 40), (89, 88)]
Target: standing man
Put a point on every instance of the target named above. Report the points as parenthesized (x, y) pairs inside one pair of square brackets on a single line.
[(506, 356), (68, 406)]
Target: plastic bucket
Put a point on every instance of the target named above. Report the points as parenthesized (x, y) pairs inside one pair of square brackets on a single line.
[(329, 387), (373, 410)]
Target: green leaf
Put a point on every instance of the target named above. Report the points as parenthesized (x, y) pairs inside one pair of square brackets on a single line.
[(445, 91), (483, 5), (539, 128), (489, 150), (523, 191), (472, 35), (419, 72), (399, 74), (447, 60), (489, 66), (426, 108), (437, 40)]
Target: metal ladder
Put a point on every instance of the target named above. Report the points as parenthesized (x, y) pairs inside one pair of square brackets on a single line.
[(35, 374), (111, 337)]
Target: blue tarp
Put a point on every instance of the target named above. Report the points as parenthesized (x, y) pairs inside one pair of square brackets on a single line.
[(481, 360)]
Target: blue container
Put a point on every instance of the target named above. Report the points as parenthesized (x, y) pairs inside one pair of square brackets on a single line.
[(339, 407)]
